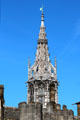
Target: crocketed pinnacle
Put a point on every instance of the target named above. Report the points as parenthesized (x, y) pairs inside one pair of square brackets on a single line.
[(42, 35)]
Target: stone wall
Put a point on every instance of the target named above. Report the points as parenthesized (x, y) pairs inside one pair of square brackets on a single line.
[(30, 111), (54, 112), (11, 113), (37, 112)]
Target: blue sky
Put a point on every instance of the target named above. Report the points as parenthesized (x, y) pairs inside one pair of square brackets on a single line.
[(19, 29)]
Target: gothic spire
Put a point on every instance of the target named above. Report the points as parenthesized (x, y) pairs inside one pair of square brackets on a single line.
[(42, 75), (42, 35)]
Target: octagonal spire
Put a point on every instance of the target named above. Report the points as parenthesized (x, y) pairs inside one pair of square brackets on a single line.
[(42, 34)]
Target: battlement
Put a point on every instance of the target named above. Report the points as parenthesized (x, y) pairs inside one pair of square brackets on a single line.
[(35, 111), (12, 108), (11, 113)]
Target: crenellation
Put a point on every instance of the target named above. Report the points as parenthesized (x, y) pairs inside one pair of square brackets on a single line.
[(11, 113)]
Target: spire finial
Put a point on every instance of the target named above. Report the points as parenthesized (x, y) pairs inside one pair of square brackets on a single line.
[(42, 34), (42, 16), (42, 8)]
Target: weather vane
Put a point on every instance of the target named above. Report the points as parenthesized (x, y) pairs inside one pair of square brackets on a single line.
[(41, 9)]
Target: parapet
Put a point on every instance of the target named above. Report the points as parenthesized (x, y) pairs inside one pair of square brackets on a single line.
[(64, 107), (30, 111), (58, 107), (12, 113), (57, 113), (22, 104)]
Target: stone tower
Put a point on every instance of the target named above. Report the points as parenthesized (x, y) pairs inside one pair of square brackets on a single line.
[(42, 76)]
